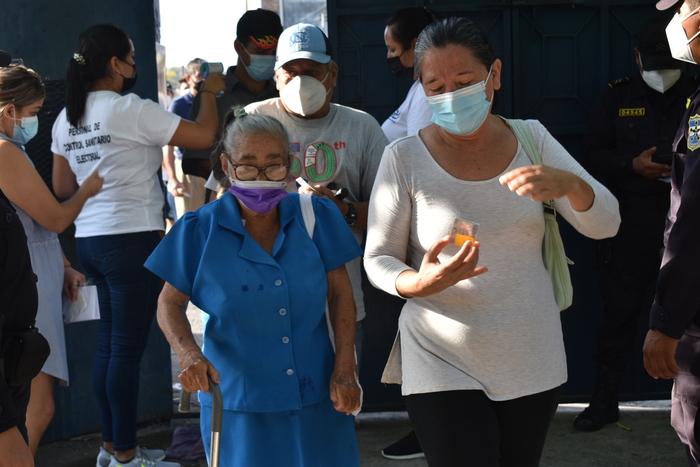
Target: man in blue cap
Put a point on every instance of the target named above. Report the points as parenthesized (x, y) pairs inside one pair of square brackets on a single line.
[(331, 145), (672, 345)]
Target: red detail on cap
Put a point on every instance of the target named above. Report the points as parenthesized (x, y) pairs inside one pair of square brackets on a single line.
[(265, 43)]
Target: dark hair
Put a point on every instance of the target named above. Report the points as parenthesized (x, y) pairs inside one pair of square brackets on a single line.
[(96, 47), (457, 31), (20, 86), (407, 23)]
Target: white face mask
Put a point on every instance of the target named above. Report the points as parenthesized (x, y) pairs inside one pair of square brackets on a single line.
[(678, 41), (661, 80), (304, 95)]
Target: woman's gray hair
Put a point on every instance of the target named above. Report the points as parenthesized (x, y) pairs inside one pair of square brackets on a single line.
[(244, 124), (453, 31), (238, 123)]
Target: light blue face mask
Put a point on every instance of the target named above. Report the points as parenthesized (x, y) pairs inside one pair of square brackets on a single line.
[(262, 67), (461, 112), (27, 130)]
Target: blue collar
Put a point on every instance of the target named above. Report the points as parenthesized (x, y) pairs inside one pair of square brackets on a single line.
[(229, 217)]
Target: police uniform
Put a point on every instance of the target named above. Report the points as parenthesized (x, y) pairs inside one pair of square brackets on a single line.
[(629, 118), (676, 308)]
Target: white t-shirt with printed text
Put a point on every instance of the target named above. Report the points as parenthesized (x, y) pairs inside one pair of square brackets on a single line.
[(122, 137)]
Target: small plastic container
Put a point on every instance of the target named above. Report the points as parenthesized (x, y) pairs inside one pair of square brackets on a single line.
[(463, 231)]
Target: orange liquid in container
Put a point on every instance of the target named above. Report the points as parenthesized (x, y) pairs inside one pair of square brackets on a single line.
[(461, 239)]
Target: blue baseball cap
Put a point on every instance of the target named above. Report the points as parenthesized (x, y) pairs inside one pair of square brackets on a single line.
[(302, 41)]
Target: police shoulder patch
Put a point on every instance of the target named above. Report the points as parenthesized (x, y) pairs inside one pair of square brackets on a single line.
[(693, 139)]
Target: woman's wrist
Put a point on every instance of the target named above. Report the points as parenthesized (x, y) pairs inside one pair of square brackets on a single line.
[(203, 91), (582, 196)]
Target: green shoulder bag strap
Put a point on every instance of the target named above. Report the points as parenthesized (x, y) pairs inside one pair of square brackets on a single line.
[(553, 253)]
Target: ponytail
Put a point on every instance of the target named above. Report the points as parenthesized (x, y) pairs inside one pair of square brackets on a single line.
[(96, 47)]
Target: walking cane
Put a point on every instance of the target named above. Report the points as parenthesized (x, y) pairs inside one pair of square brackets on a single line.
[(217, 410)]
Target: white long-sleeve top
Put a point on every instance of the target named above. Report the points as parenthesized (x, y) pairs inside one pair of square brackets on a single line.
[(499, 332)]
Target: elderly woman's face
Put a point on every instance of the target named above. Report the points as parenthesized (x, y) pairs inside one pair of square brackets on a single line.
[(257, 156), (455, 67)]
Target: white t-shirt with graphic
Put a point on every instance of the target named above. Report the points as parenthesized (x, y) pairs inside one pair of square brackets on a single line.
[(122, 137), (414, 114)]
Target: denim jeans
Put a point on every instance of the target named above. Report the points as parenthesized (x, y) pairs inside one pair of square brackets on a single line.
[(128, 297)]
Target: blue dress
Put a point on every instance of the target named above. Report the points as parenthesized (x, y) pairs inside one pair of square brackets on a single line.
[(47, 263), (265, 329)]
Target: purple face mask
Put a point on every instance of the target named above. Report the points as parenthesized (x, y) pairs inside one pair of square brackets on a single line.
[(261, 196)]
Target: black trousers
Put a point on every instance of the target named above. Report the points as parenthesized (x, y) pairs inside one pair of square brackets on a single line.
[(465, 428), (628, 282)]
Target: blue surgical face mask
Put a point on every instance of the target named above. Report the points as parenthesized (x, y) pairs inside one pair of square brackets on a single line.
[(26, 130), (461, 112), (262, 67)]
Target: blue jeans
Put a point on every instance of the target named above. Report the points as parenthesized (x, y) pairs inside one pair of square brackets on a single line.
[(128, 297)]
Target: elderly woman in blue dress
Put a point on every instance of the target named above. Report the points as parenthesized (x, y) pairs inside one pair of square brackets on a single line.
[(263, 281)]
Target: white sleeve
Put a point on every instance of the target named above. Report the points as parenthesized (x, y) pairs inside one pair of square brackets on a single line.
[(155, 126), (60, 124), (388, 225), (420, 113), (602, 220)]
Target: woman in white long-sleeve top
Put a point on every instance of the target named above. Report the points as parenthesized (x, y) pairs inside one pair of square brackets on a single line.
[(480, 353)]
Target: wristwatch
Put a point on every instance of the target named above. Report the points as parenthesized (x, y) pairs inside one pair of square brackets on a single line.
[(351, 216)]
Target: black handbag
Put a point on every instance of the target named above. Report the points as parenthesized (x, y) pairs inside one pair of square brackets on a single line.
[(22, 355)]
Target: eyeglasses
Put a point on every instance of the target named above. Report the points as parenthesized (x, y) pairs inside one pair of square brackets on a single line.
[(274, 173)]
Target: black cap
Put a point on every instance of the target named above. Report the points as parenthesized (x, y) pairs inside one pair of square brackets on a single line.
[(262, 27), (652, 44), (5, 58), (666, 4)]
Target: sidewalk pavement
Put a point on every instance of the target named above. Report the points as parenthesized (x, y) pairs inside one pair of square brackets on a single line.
[(644, 437), (646, 440)]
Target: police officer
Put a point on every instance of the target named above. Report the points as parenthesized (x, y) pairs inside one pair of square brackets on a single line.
[(628, 146), (672, 345)]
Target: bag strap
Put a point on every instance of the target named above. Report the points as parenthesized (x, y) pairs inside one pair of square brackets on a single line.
[(528, 143), (307, 212)]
